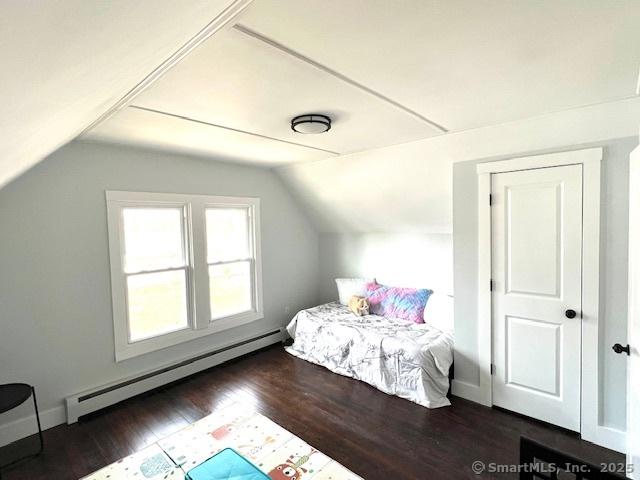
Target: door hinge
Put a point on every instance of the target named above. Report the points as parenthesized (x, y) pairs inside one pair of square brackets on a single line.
[(490, 199), (493, 369), (491, 285)]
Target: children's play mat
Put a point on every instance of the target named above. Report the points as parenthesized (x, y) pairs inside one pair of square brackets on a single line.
[(271, 448)]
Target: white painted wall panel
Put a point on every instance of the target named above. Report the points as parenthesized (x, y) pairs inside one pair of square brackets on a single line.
[(408, 260)]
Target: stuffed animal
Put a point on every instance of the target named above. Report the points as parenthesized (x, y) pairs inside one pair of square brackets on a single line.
[(359, 305)]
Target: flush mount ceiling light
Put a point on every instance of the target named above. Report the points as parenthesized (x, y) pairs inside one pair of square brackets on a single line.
[(311, 123)]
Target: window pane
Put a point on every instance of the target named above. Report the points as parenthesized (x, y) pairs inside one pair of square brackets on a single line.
[(230, 289), (153, 238), (227, 234), (157, 303)]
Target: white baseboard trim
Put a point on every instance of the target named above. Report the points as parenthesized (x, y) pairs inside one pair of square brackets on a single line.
[(24, 427), (607, 437), (468, 391), (98, 398), (602, 435)]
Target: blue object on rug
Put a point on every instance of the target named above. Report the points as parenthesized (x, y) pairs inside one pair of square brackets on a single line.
[(227, 464)]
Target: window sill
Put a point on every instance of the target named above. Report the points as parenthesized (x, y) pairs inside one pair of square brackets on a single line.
[(131, 350)]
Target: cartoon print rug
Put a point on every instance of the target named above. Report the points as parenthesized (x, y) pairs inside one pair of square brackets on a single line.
[(274, 450)]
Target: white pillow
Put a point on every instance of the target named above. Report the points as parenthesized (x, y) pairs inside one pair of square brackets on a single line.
[(348, 287), (438, 312)]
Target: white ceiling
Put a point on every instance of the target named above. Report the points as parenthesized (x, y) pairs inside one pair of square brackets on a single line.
[(64, 63), (239, 82), (386, 71), (148, 129), (468, 63)]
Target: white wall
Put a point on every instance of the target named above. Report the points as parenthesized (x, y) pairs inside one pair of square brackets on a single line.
[(614, 270), (613, 282), (56, 327), (412, 260)]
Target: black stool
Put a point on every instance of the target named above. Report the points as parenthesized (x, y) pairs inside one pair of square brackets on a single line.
[(13, 395)]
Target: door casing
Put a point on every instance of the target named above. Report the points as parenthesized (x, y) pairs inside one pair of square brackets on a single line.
[(633, 338), (591, 159)]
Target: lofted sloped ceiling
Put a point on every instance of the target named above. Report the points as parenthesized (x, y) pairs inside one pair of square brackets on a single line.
[(467, 63), (386, 71), (65, 63), (246, 89), (408, 188)]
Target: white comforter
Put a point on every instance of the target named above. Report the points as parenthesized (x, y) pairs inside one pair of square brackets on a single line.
[(398, 357)]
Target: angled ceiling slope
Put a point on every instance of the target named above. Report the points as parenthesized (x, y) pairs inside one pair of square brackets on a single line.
[(246, 89), (408, 188), (64, 64), (463, 63), (386, 71)]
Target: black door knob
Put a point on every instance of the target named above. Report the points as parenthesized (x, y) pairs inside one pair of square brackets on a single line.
[(570, 313), (619, 349)]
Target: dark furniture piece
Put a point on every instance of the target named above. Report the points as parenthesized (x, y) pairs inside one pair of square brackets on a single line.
[(11, 396), (538, 461)]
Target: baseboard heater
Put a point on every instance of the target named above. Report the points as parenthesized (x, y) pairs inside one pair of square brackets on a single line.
[(98, 398)]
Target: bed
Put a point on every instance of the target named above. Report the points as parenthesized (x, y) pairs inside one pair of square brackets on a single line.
[(400, 358)]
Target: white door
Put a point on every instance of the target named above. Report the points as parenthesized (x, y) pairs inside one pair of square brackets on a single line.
[(633, 370), (536, 219)]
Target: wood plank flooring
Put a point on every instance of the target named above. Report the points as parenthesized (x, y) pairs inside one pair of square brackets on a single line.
[(375, 435)]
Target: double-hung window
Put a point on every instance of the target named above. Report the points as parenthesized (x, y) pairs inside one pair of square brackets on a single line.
[(182, 266)]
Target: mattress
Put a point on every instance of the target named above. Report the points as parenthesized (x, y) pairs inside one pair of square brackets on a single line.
[(397, 357)]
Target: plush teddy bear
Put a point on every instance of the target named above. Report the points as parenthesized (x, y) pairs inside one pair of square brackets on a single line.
[(359, 305)]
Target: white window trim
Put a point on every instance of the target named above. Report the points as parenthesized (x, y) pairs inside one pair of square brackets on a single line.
[(200, 323)]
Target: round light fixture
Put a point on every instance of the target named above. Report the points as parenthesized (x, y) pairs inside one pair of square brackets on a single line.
[(311, 123)]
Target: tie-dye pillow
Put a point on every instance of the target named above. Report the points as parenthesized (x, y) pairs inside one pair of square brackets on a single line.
[(395, 302)]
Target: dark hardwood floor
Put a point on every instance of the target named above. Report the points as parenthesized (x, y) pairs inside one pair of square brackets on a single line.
[(375, 435)]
